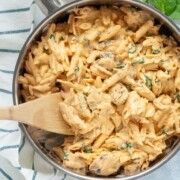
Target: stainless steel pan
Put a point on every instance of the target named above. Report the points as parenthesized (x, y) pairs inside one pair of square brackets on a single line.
[(55, 11)]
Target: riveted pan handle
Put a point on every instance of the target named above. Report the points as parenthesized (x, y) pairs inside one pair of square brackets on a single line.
[(50, 6)]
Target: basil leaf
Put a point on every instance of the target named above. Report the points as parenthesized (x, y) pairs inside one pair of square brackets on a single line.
[(144, 0), (87, 149), (165, 6), (176, 13)]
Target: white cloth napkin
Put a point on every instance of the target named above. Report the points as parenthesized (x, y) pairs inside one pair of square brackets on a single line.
[(18, 160)]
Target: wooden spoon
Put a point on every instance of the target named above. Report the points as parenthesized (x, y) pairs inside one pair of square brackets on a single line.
[(41, 113)]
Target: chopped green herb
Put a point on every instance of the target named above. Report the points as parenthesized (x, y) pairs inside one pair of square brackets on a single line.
[(164, 131), (129, 87), (148, 82), (107, 55), (162, 61), (120, 65), (140, 61), (178, 97), (149, 33), (46, 51), (126, 145), (61, 38), (52, 36), (66, 156), (132, 49), (132, 9), (155, 51), (76, 69), (87, 149)]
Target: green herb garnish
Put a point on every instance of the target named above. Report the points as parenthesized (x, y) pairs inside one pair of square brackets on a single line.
[(168, 7), (140, 61), (107, 55), (46, 51), (126, 145), (76, 69), (52, 36), (61, 38), (66, 156), (87, 149), (164, 131), (155, 51), (132, 49), (148, 82), (178, 97), (165, 6), (120, 65)]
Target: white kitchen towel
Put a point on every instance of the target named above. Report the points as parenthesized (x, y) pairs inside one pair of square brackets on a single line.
[(18, 160)]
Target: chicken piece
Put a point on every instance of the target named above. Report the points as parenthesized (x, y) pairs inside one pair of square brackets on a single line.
[(119, 94), (87, 157), (118, 140), (81, 106), (70, 115), (108, 163), (72, 161), (87, 139), (135, 106), (95, 99), (105, 164)]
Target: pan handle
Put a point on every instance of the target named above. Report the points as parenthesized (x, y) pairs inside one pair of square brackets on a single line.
[(50, 6)]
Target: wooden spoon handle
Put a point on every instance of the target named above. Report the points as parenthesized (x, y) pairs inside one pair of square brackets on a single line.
[(42, 113), (15, 113), (26, 114), (6, 113)]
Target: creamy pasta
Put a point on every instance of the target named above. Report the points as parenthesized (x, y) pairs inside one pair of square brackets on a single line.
[(120, 83)]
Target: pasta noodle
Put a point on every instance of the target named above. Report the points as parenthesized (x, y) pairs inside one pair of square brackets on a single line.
[(120, 83)]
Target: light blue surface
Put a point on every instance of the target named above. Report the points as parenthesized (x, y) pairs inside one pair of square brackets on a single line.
[(17, 18)]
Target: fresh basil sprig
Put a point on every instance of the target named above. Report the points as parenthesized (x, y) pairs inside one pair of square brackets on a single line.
[(169, 7)]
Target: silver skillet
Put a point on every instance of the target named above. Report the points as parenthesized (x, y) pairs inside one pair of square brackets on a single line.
[(57, 10)]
